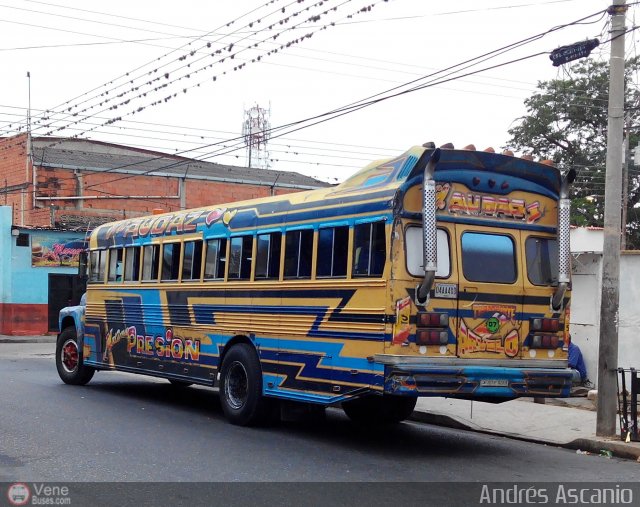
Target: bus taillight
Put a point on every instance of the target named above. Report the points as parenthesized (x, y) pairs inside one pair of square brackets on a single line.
[(433, 319), (545, 341), (432, 337), (545, 325)]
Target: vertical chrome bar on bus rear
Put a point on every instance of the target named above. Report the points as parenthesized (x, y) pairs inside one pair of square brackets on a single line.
[(430, 233), (564, 241)]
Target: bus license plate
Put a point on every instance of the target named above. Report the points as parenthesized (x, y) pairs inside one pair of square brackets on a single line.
[(494, 382)]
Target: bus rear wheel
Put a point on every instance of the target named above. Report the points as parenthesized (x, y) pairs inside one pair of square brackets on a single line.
[(69, 359), (374, 410), (241, 387)]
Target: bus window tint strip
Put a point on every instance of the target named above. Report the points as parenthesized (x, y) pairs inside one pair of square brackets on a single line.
[(542, 260), (369, 249), (488, 258)]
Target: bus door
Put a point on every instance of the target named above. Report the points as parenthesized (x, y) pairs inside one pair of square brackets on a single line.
[(490, 293)]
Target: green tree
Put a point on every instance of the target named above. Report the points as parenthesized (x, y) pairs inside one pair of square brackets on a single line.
[(566, 122)]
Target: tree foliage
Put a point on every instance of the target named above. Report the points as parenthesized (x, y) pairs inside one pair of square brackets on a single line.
[(566, 122)]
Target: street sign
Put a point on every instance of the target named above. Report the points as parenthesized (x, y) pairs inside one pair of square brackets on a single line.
[(565, 54)]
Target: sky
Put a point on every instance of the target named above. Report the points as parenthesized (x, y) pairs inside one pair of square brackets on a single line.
[(79, 54)]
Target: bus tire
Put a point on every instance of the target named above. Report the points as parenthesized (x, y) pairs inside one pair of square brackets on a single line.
[(69, 359), (180, 383), (241, 387), (374, 410)]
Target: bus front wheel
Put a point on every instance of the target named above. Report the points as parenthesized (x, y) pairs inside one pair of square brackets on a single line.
[(241, 387), (69, 359), (372, 410)]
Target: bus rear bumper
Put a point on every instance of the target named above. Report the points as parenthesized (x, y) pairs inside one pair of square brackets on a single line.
[(470, 381)]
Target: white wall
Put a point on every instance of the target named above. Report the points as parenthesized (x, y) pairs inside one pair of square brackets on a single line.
[(586, 249)]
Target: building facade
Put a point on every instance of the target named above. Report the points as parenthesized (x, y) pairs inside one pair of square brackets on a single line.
[(54, 191)]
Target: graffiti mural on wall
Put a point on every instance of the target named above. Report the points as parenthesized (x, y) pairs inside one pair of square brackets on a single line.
[(48, 252)]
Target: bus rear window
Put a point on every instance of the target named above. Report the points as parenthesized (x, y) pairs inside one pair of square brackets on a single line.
[(542, 260), (488, 258)]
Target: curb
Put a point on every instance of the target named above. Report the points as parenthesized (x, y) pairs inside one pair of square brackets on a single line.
[(618, 448), (39, 339)]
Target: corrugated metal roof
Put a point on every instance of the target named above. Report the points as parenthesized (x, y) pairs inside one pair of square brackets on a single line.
[(90, 155)]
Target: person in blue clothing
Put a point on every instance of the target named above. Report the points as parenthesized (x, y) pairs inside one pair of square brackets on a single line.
[(576, 361)]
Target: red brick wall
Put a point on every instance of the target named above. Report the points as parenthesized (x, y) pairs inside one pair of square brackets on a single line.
[(24, 319), (13, 172), (101, 190)]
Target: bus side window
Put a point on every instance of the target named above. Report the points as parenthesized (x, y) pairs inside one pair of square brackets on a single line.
[(215, 259), (192, 260), (240, 257), (268, 256), (150, 262), (115, 265), (171, 261), (132, 264), (333, 247), (97, 264), (369, 249), (298, 251)]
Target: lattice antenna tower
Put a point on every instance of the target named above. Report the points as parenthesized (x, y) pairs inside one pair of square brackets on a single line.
[(256, 131)]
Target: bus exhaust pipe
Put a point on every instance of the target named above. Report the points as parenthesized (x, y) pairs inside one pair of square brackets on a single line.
[(430, 238), (564, 241)]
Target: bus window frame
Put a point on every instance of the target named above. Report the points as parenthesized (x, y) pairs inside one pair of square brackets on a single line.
[(223, 256), (369, 221), (101, 253), (127, 251), (406, 251), (185, 242), (242, 250), (516, 260), (311, 275), (325, 227), (155, 247), (164, 244), (118, 278)]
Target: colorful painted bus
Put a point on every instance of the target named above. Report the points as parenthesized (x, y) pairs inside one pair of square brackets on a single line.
[(440, 272)]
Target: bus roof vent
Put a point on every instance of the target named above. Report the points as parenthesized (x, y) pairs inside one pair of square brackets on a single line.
[(489, 150), (469, 147), (430, 145), (448, 146), (547, 162), (508, 153), (527, 157)]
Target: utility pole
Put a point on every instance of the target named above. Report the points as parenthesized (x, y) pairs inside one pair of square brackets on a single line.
[(610, 296)]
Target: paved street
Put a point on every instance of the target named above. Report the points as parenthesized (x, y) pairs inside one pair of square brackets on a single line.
[(131, 428)]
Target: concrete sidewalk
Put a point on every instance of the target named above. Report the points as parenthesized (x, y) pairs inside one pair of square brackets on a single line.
[(565, 422)]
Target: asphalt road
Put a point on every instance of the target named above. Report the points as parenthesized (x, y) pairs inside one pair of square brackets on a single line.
[(123, 427)]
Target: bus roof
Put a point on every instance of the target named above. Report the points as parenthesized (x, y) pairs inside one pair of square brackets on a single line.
[(376, 184)]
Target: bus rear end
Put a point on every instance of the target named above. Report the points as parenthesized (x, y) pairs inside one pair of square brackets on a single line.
[(480, 289)]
